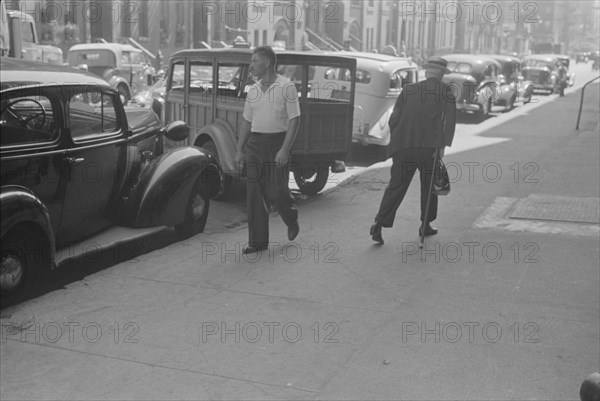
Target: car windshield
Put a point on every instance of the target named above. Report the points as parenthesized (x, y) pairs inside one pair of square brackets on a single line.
[(93, 58)]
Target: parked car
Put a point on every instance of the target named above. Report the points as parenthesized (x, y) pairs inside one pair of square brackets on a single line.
[(212, 93), (75, 164), (542, 70), (512, 87), (476, 83), (379, 80), (150, 96), (124, 67)]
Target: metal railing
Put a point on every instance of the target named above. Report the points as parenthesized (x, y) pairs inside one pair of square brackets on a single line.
[(313, 34), (581, 101)]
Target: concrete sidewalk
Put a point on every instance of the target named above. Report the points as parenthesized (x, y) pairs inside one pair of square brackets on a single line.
[(490, 309)]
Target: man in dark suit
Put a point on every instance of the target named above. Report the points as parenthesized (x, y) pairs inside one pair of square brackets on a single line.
[(422, 123)]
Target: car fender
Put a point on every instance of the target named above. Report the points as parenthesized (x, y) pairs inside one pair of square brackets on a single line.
[(19, 205), (223, 136), (161, 194), (524, 88), (505, 93), (487, 90), (116, 80), (381, 129)]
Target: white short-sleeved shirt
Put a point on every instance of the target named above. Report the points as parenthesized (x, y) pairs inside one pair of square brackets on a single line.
[(271, 111)]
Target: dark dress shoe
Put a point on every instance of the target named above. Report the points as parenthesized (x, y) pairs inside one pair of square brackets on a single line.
[(376, 233), (253, 249), (293, 231), (428, 230)]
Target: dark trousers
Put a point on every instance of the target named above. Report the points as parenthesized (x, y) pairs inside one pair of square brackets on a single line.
[(267, 185), (405, 163)]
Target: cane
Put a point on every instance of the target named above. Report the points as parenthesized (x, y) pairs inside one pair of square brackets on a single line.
[(424, 222)]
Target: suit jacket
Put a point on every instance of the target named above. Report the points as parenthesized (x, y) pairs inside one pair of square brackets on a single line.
[(424, 116)]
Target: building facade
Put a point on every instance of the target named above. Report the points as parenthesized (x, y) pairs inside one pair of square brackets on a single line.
[(417, 28)]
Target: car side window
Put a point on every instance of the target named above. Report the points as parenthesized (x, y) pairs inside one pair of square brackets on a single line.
[(27, 119), (200, 78), (92, 114), (230, 80), (177, 76)]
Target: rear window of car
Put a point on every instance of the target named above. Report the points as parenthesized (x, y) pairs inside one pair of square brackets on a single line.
[(93, 58), (27, 120), (537, 63), (342, 74), (464, 68)]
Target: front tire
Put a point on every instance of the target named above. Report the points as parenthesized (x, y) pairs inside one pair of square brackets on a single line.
[(20, 263), (510, 104), (311, 180), (484, 110), (196, 212)]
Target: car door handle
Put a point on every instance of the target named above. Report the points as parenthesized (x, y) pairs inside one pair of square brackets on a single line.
[(74, 160)]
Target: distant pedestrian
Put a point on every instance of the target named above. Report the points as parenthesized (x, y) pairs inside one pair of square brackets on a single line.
[(423, 122), (271, 120)]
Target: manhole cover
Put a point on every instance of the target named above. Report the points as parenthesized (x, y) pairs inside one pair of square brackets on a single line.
[(557, 208)]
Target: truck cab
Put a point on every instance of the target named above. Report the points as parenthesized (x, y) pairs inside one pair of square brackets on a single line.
[(19, 39)]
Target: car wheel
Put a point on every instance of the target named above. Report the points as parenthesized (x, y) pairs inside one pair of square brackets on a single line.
[(311, 180), (510, 104), (124, 94), (484, 110), (227, 181), (18, 265), (196, 212)]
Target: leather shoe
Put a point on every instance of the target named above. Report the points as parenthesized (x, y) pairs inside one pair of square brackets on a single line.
[(253, 249), (428, 230), (293, 231), (376, 233)]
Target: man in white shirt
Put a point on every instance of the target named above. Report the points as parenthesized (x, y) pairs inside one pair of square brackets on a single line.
[(271, 120)]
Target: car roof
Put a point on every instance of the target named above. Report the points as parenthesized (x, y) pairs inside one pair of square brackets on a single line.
[(547, 57), (503, 58), (246, 52), (17, 72), (115, 47), (376, 60), (471, 58)]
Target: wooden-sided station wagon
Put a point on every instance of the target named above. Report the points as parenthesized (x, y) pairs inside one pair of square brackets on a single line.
[(207, 89)]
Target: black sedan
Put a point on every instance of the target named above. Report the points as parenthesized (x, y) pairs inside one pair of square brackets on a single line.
[(74, 165)]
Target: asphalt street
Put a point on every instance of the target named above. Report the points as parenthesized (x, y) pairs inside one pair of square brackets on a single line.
[(502, 304)]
